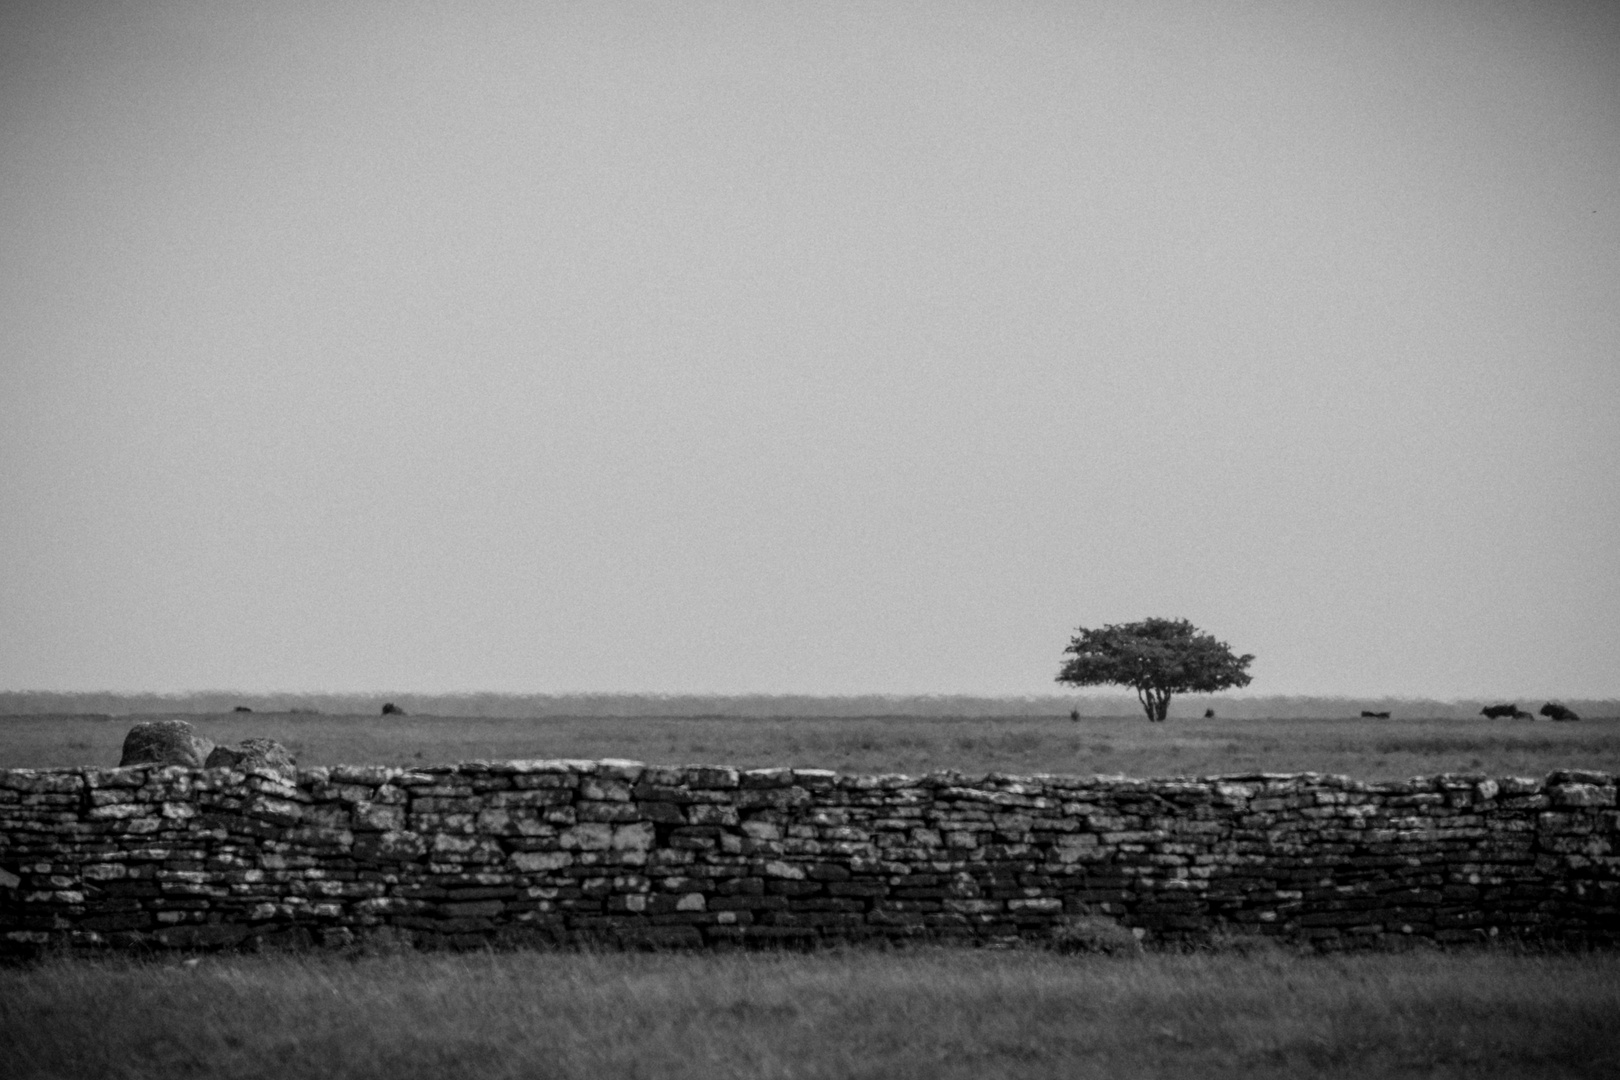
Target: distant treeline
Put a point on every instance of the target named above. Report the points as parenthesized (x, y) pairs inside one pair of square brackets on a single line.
[(34, 703)]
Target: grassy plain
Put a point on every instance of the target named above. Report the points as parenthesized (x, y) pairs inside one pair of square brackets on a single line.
[(1368, 749), (934, 1013), (922, 1012)]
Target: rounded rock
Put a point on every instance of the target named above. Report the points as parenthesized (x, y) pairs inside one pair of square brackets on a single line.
[(164, 742)]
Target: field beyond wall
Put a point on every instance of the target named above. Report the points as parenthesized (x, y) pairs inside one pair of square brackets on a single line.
[(1242, 1009), (1020, 745)]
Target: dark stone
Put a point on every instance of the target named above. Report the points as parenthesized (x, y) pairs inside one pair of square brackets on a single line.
[(390, 709), (476, 892), (296, 938), (204, 936), (137, 920), (164, 742)]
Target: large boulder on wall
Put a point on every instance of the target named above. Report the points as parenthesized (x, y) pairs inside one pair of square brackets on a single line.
[(164, 742), (254, 753)]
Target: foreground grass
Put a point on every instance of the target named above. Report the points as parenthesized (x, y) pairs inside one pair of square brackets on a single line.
[(922, 1013), (1369, 749)]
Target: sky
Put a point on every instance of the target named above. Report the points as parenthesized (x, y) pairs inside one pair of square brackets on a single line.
[(827, 348)]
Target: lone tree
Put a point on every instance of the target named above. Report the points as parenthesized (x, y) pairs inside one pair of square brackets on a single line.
[(1158, 657)]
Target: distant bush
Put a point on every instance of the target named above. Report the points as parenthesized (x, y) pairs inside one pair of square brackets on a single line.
[(1159, 658)]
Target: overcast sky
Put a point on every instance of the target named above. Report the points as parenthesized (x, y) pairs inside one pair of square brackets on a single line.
[(822, 348)]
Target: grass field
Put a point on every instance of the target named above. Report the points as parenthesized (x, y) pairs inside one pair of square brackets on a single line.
[(934, 1013), (926, 1012), (1368, 749)]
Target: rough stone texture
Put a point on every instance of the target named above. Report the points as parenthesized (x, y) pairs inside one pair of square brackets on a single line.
[(254, 753), (529, 852), (164, 742)]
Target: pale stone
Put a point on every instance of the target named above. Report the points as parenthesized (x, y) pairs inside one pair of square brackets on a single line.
[(538, 861), (255, 753), (637, 837), (590, 836), (783, 870)]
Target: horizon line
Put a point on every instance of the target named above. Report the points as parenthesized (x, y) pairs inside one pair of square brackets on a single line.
[(1124, 692)]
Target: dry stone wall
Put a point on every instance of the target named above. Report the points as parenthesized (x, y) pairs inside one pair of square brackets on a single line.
[(530, 852)]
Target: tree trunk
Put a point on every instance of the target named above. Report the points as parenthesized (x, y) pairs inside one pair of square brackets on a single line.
[(1155, 702)]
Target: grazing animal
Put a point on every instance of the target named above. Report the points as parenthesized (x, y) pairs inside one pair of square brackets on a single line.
[(1497, 712), (1209, 714), (1558, 711), (390, 709), (1074, 714), (1374, 715)]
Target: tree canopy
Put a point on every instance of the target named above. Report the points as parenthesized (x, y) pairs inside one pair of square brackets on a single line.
[(1156, 657)]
